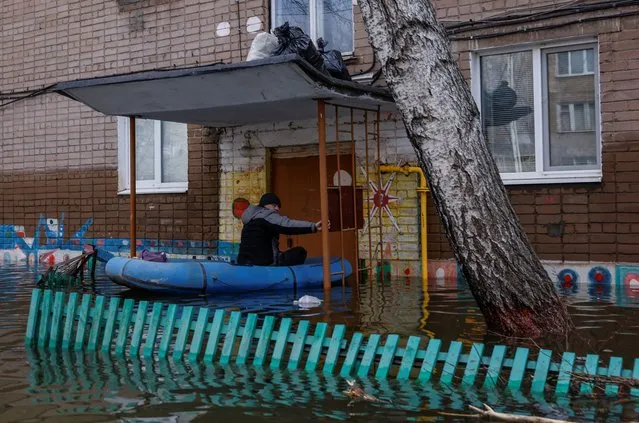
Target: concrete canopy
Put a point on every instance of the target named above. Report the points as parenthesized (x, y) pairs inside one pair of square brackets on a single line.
[(274, 89)]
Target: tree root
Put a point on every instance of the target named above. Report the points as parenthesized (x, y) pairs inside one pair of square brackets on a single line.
[(506, 417)]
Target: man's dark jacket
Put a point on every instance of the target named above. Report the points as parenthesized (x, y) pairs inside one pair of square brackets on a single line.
[(260, 240)]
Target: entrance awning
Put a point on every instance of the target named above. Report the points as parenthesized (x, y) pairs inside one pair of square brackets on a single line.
[(273, 89)]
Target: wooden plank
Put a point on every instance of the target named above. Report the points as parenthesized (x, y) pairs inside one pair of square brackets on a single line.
[(167, 331), (112, 314), (201, 326), (34, 313), (388, 355), (83, 317), (183, 332), (370, 354), (123, 328), (473, 365), (635, 375), (280, 343), (450, 365), (67, 335), (138, 328), (264, 341), (230, 337), (590, 369), (214, 336), (518, 370), (298, 344), (565, 370), (45, 316), (96, 322), (614, 370), (430, 360), (410, 353), (152, 331), (494, 368), (541, 371), (56, 320), (334, 349), (316, 347), (247, 339), (351, 354)]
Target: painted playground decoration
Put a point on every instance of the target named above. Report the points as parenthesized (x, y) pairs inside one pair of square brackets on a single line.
[(148, 330)]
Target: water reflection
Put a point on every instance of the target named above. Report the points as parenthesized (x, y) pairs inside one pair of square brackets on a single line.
[(79, 384)]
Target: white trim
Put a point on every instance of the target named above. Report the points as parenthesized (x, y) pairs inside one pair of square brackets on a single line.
[(154, 186), (538, 104), (558, 177)]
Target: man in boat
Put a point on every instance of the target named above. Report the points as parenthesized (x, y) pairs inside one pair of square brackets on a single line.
[(263, 224)]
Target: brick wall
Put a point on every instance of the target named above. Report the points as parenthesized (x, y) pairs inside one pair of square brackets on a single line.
[(57, 156)]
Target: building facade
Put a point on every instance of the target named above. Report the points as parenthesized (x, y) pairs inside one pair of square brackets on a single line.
[(555, 82)]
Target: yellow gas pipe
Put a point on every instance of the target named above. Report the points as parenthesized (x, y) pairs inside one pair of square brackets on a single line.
[(422, 189)]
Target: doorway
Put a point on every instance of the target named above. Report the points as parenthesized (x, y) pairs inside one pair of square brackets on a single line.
[(296, 182)]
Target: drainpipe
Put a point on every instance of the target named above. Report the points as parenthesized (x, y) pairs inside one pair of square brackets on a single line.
[(422, 189)]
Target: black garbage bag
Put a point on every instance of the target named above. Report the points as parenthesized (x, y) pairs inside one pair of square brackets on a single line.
[(293, 40), (333, 61)]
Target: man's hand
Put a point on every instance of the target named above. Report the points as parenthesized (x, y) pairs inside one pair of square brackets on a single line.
[(318, 226)]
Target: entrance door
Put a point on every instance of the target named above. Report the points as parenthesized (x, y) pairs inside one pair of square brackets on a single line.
[(296, 182)]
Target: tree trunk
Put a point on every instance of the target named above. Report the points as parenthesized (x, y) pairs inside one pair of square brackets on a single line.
[(511, 287)]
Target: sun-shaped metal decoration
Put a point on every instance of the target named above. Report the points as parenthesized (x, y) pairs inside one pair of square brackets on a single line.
[(381, 199)]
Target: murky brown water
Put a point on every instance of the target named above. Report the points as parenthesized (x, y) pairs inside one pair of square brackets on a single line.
[(62, 387)]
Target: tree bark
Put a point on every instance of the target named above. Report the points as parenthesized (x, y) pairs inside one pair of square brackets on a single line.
[(507, 279)]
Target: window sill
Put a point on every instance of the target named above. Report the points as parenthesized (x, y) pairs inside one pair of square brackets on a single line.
[(543, 178), (155, 190)]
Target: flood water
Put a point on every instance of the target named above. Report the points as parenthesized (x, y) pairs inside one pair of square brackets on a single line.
[(39, 385)]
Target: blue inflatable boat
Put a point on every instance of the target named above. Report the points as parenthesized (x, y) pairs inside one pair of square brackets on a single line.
[(214, 277)]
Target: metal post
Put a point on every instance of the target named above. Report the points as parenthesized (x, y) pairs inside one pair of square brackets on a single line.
[(339, 191), (321, 129), (368, 206), (354, 179), (132, 178), (381, 211)]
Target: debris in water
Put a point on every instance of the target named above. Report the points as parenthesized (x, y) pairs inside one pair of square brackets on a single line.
[(308, 301)]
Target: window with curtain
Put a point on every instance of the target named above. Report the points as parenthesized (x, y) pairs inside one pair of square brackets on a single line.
[(331, 20), (540, 112), (161, 158)]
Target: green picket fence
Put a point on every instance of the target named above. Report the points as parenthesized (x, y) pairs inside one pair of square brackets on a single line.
[(90, 323)]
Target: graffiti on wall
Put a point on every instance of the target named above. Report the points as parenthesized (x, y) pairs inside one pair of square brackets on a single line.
[(380, 199)]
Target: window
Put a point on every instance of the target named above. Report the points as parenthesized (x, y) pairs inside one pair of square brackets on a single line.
[(576, 62), (541, 126), (331, 20), (576, 117), (161, 160)]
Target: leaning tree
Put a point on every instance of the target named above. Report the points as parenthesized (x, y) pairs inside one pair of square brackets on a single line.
[(507, 279)]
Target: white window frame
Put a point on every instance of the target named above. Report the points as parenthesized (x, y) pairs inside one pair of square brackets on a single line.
[(543, 175), (143, 187), (312, 4), (570, 73)]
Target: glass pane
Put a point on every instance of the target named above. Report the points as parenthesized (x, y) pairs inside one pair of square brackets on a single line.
[(576, 145), (580, 119), (174, 152), (564, 118), (590, 60), (507, 110), (577, 62), (563, 68), (295, 12), (335, 24), (144, 150)]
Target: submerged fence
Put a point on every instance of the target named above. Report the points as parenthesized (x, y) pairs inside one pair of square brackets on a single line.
[(143, 329)]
